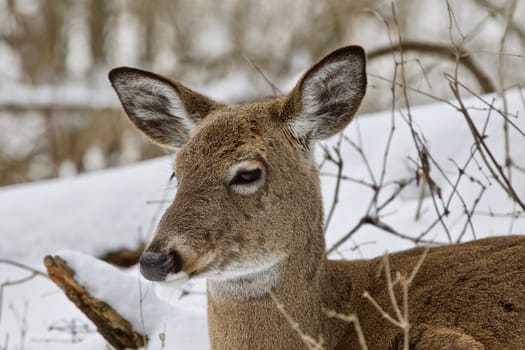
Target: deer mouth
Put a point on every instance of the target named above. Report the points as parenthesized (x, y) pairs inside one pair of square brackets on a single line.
[(189, 271), (176, 280), (202, 264)]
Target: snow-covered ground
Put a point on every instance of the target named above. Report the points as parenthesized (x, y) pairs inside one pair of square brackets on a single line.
[(117, 208)]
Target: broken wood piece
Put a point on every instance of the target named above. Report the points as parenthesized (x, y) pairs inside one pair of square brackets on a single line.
[(110, 324)]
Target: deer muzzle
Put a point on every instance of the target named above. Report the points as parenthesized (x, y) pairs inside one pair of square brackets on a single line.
[(156, 266)]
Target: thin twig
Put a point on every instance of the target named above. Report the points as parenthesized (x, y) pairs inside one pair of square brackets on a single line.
[(484, 150), (275, 90), (501, 87), (339, 163), (3, 285), (310, 342), (350, 319), (449, 52)]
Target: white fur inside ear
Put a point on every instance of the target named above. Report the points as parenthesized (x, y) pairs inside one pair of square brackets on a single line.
[(154, 100), (327, 94)]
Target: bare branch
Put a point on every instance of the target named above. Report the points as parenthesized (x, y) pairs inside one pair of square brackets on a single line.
[(485, 152), (444, 51), (275, 89), (110, 324), (350, 319)]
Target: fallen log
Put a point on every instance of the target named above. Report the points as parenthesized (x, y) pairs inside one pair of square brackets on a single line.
[(110, 324)]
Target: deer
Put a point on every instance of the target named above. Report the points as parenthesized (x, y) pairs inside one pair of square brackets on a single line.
[(248, 217)]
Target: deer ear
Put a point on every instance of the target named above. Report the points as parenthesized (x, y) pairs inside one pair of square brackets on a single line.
[(166, 111), (328, 95)]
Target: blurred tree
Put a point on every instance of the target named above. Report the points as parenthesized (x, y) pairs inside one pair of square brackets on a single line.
[(222, 48)]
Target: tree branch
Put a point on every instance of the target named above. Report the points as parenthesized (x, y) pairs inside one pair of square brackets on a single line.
[(110, 324)]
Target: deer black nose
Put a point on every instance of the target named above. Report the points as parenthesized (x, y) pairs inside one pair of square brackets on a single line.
[(156, 266)]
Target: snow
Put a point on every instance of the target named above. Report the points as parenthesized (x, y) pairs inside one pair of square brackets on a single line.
[(109, 209), (94, 213), (448, 138), (132, 296)]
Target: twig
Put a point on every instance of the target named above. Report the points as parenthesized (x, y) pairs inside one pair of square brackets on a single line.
[(346, 237), (339, 163), (469, 215), (275, 90), (422, 188), (504, 115), (350, 179), (36, 272), (513, 214), (402, 316), (350, 319), (363, 157), (448, 52), (22, 319), (381, 225), (418, 143), (493, 10), (401, 186), (501, 87), (383, 313), (310, 342), (485, 152), (3, 285)]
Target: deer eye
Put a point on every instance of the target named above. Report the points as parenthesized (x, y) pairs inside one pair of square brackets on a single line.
[(246, 177)]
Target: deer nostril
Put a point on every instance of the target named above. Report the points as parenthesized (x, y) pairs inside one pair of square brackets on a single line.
[(175, 262), (156, 266)]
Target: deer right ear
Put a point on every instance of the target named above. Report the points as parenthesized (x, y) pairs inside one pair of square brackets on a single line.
[(166, 111), (327, 97)]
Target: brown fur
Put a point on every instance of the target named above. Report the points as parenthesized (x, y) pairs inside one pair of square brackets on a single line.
[(468, 296)]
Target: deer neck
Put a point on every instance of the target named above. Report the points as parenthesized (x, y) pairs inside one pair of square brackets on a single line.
[(268, 302)]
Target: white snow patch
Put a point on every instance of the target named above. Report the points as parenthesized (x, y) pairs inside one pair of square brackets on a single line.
[(94, 213), (183, 322)]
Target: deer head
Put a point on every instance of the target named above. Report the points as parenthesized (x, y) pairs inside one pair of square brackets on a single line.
[(248, 195)]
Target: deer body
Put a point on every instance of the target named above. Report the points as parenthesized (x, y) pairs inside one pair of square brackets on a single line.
[(479, 303), (248, 217), (466, 296)]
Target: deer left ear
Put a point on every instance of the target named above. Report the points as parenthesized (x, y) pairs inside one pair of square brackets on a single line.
[(328, 95), (166, 111)]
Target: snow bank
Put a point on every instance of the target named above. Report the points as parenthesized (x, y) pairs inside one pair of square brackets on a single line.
[(93, 213), (182, 323), (450, 143)]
